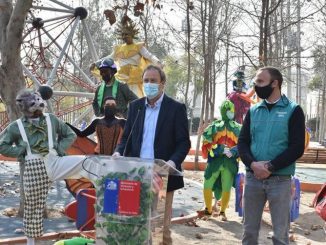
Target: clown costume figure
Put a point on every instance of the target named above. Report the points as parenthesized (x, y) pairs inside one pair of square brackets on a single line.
[(39, 141)]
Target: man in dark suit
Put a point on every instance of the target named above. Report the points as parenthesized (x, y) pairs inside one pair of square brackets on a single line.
[(157, 128)]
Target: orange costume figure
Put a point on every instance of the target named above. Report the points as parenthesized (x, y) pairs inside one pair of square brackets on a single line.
[(108, 130), (240, 97)]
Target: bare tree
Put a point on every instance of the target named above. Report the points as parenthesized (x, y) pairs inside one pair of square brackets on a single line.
[(12, 20), (318, 82), (216, 23)]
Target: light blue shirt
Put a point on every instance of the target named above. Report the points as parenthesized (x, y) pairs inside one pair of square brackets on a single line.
[(151, 116)]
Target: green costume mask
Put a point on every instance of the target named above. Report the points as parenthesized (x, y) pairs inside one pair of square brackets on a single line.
[(227, 110)]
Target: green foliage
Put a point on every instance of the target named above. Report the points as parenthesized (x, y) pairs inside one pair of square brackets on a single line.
[(176, 75), (318, 80), (316, 83), (319, 59), (160, 48), (176, 69)]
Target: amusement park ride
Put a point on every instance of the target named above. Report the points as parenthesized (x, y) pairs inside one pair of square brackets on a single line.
[(48, 58)]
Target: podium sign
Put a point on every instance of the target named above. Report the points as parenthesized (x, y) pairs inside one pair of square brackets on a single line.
[(130, 199)]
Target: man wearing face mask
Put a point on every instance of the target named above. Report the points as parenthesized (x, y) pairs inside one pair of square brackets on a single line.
[(157, 128), (219, 146), (271, 140), (111, 87)]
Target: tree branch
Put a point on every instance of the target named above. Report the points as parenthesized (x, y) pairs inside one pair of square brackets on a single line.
[(5, 12), (274, 8), (12, 79), (242, 50), (295, 22), (14, 36), (244, 10)]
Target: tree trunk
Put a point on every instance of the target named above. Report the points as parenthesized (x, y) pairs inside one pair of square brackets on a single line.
[(227, 65), (266, 34), (318, 116), (11, 73), (209, 12), (188, 57), (322, 115), (261, 34)]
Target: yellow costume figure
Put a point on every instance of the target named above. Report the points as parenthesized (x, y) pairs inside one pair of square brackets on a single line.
[(131, 58)]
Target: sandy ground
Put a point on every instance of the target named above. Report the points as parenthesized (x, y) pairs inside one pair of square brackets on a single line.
[(307, 229)]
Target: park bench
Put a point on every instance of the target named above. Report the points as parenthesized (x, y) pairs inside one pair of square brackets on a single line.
[(311, 155), (314, 155)]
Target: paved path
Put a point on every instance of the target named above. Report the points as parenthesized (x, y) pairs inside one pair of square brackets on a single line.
[(186, 201)]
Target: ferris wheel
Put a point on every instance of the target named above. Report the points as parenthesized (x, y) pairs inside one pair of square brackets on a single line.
[(48, 57)]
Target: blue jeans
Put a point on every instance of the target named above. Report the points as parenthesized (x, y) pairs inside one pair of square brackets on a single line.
[(275, 189)]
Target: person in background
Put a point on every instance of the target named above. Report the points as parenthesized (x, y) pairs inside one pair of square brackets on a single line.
[(83, 125), (108, 129), (272, 138), (111, 86)]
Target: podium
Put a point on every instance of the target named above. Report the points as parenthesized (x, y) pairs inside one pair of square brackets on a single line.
[(130, 198)]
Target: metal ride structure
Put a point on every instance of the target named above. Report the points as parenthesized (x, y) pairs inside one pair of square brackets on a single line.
[(48, 58)]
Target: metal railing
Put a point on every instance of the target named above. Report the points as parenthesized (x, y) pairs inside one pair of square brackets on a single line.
[(67, 115), (4, 120)]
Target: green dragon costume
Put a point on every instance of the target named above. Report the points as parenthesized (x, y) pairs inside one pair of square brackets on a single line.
[(219, 146)]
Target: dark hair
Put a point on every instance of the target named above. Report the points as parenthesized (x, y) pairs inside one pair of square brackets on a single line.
[(108, 98), (158, 69), (275, 74)]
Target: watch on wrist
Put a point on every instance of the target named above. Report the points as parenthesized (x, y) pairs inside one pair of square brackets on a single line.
[(269, 166)]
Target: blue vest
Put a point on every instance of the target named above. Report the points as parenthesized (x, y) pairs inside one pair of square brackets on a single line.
[(269, 131)]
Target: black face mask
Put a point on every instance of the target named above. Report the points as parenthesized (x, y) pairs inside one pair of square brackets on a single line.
[(110, 111), (107, 78), (264, 92)]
